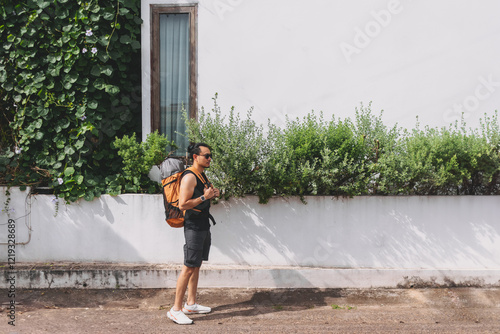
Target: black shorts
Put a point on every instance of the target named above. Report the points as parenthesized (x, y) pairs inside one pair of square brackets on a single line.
[(197, 247)]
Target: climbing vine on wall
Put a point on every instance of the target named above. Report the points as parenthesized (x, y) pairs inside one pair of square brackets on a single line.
[(69, 85)]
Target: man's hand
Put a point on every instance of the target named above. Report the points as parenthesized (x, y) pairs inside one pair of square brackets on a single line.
[(211, 192)]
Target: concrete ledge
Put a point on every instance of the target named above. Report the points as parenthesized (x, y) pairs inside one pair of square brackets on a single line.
[(133, 276)]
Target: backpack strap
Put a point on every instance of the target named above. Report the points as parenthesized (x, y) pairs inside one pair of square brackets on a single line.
[(211, 218), (201, 177)]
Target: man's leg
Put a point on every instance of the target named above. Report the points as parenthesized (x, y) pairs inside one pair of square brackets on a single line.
[(193, 286), (182, 283)]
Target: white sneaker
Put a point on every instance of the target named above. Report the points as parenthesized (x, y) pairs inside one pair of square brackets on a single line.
[(195, 308), (179, 317)]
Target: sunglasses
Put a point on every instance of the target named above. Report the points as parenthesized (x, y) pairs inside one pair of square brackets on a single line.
[(208, 155)]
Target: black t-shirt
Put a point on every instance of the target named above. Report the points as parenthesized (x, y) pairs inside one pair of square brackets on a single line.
[(197, 218)]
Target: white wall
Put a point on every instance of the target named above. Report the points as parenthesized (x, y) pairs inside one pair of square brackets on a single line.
[(364, 232), (287, 57)]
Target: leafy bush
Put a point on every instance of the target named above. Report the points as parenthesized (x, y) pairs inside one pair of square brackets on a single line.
[(309, 156), (446, 161), (237, 148), (312, 156), (69, 82), (316, 157), (311, 153), (138, 158)]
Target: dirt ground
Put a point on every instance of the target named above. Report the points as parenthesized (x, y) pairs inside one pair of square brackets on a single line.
[(445, 310)]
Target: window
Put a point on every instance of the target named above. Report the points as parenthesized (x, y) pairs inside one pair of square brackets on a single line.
[(173, 70)]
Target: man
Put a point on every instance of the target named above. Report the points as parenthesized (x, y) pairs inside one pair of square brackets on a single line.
[(194, 197)]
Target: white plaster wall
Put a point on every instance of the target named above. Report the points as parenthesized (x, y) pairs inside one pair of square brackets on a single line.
[(433, 59), (363, 232)]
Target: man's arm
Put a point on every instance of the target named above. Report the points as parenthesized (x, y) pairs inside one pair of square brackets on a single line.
[(188, 183)]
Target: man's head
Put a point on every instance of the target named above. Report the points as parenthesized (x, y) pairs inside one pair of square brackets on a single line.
[(201, 154)]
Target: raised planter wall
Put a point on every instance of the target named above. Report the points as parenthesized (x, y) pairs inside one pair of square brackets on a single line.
[(438, 232)]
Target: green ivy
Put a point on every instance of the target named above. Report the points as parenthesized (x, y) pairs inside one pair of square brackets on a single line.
[(69, 83)]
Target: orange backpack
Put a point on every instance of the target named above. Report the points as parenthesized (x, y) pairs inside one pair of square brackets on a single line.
[(171, 189)]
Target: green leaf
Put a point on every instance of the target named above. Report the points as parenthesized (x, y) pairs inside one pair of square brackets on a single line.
[(42, 4), (116, 124), (138, 20), (80, 110), (99, 83), (39, 135), (107, 70), (91, 39), (125, 39), (136, 45), (89, 196), (111, 89), (11, 38), (54, 70), (91, 182), (125, 100), (38, 123), (72, 77), (79, 179), (96, 70), (39, 77), (84, 81), (62, 12), (69, 150), (8, 86), (69, 171), (92, 104), (79, 144), (95, 9), (124, 11), (67, 85), (103, 56), (109, 14)]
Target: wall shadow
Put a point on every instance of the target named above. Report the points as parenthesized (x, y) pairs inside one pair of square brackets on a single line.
[(439, 232)]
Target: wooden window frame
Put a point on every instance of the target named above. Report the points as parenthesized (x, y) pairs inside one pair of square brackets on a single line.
[(155, 11)]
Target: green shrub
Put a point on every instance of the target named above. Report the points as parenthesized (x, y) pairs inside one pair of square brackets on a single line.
[(312, 156), (316, 157), (308, 157), (237, 147), (138, 159), (446, 161), (328, 158)]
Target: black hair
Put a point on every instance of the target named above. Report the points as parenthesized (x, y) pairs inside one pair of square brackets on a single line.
[(195, 148)]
